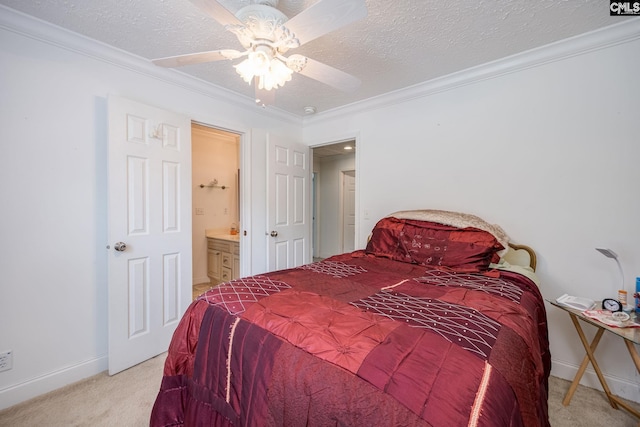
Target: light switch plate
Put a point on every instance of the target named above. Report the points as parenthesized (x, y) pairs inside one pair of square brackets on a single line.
[(6, 360)]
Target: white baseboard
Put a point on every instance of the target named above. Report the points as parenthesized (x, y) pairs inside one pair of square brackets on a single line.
[(34, 387), (621, 387)]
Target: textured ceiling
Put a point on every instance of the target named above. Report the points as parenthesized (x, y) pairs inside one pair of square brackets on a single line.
[(400, 43)]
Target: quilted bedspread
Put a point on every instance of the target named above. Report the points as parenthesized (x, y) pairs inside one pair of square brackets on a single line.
[(358, 340)]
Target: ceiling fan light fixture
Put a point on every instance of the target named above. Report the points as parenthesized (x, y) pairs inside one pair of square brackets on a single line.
[(277, 76), (260, 22), (269, 73), (246, 69), (260, 62), (267, 34), (297, 62), (257, 63)]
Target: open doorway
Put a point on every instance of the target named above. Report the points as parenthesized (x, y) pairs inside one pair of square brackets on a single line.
[(215, 157), (333, 193)]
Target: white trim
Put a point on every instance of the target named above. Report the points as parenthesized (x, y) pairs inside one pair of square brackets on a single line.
[(624, 32), (246, 220), (45, 32), (622, 387), (17, 393)]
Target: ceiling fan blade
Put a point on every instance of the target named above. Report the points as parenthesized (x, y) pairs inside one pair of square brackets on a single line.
[(197, 58), (330, 76), (265, 97), (325, 16), (217, 11)]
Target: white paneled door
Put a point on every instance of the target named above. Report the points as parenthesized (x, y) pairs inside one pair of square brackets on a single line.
[(289, 217), (348, 211), (149, 229)]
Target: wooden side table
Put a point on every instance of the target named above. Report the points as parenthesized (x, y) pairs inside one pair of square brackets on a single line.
[(630, 336)]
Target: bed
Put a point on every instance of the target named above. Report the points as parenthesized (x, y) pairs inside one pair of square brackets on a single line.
[(438, 322)]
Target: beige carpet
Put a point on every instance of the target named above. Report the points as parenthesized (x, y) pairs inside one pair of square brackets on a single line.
[(200, 288), (126, 399)]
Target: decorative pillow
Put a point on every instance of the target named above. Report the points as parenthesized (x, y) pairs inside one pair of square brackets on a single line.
[(456, 219), (467, 249)]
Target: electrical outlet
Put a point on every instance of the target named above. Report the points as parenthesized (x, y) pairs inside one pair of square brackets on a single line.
[(6, 360)]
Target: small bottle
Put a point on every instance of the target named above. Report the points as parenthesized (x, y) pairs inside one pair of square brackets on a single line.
[(637, 295), (622, 298)]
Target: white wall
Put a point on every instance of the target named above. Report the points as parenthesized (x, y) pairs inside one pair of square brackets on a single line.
[(53, 181), (549, 151)]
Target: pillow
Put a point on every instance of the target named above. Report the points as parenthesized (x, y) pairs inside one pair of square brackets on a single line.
[(456, 219), (467, 249)]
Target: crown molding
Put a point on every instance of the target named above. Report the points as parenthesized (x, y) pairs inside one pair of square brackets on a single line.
[(624, 32), (28, 26), (45, 32)]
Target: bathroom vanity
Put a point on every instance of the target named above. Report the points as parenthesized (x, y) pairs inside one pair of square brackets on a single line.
[(223, 257)]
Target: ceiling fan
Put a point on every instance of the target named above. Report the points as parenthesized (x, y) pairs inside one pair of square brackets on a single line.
[(267, 35)]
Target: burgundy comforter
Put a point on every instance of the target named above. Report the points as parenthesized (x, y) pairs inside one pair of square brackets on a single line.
[(359, 340)]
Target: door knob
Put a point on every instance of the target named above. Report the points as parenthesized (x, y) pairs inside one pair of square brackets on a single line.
[(274, 233), (120, 246)]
